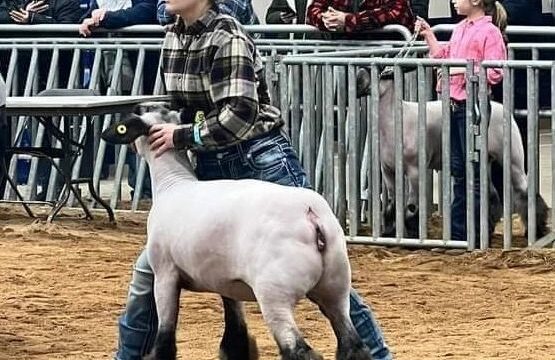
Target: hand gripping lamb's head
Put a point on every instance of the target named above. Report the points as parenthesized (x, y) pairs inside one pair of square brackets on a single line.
[(131, 128)]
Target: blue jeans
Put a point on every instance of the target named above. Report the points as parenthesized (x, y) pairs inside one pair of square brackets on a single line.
[(458, 172), (269, 158)]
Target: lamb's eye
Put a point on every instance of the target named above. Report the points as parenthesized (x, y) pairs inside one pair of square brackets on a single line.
[(121, 129)]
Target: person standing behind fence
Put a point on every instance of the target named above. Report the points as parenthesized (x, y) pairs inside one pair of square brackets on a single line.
[(40, 12), (356, 16), (241, 10), (478, 37), (286, 12), (115, 14)]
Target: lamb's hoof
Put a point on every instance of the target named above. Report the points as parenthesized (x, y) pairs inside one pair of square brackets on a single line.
[(253, 352), (357, 352), (253, 349), (313, 355), (302, 354)]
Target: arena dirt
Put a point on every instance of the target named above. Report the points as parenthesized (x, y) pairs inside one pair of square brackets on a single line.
[(62, 287)]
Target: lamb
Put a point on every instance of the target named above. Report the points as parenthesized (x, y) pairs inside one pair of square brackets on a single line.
[(246, 240)]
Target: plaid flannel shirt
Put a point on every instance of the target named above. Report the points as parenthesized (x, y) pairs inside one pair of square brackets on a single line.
[(212, 68), (242, 10), (365, 15)]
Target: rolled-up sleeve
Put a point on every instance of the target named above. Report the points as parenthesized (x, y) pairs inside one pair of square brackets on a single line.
[(314, 13), (442, 52), (233, 88), (495, 49)]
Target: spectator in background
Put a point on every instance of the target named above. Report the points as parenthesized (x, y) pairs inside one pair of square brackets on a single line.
[(113, 14), (523, 12), (354, 16), (287, 11), (421, 8), (241, 10), (40, 12)]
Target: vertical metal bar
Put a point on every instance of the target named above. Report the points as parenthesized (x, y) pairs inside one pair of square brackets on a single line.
[(74, 71), (32, 182), (341, 149), (317, 119), (368, 156), (422, 139), (14, 56), (296, 106), (53, 180), (123, 149), (532, 170), (284, 96), (483, 165), (552, 145), (308, 125), (507, 184), (328, 135), (399, 139), (353, 156), (33, 66), (107, 119), (446, 154), (375, 148), (536, 57), (470, 156)]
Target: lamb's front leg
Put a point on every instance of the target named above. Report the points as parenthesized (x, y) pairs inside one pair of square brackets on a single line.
[(166, 295), (236, 343)]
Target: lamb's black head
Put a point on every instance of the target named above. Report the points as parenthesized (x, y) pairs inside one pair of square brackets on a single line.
[(138, 124), (126, 130)]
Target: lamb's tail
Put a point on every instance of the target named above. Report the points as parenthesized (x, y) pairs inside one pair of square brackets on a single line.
[(319, 228)]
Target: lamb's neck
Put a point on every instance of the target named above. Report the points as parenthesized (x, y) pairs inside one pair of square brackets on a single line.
[(387, 108), (169, 169)]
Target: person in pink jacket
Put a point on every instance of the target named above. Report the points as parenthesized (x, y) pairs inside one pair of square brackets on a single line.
[(479, 36)]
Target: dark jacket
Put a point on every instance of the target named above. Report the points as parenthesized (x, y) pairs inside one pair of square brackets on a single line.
[(273, 15), (523, 12), (141, 12), (58, 12), (421, 8)]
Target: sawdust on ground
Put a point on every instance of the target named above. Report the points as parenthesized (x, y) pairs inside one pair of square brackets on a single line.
[(63, 285)]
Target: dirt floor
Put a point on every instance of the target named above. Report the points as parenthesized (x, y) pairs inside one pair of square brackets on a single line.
[(62, 287)]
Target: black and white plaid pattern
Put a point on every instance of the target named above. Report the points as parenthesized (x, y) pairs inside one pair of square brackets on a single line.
[(213, 66)]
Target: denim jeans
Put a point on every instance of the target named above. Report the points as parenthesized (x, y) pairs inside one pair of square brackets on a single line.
[(458, 172), (269, 158)]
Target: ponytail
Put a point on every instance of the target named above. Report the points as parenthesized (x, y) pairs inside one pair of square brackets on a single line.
[(498, 14)]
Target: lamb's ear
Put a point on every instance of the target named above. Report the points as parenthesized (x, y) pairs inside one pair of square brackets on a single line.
[(172, 117), (126, 131)]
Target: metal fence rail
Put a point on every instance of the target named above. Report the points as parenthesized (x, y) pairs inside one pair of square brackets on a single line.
[(339, 137), (359, 135)]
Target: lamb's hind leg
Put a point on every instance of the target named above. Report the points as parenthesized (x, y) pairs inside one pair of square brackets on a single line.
[(236, 343), (277, 310), (332, 295)]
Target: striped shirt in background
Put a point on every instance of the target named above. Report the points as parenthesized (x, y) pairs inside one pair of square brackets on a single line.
[(241, 10), (363, 15), (216, 76)]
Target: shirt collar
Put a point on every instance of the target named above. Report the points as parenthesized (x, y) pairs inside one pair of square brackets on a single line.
[(480, 20), (198, 26)]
